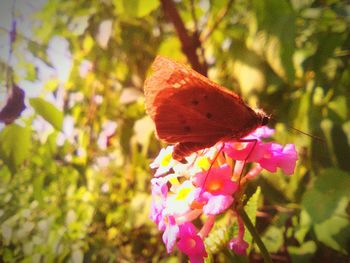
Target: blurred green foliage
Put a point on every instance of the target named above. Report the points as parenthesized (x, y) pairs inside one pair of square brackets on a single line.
[(70, 190)]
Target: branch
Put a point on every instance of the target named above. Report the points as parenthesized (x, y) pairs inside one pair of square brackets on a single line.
[(265, 254), (223, 12), (189, 43), (12, 39), (194, 17)]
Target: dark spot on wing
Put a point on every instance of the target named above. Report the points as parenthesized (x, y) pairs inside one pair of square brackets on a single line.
[(194, 102), (209, 115), (205, 96), (187, 128)]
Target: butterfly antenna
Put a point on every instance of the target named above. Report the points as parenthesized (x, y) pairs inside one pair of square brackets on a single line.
[(302, 132), (212, 163), (307, 134)]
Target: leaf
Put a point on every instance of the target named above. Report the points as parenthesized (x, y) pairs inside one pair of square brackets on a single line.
[(139, 210), (335, 231), (303, 227), (15, 144), (276, 23), (303, 253), (346, 130), (248, 69), (14, 105), (49, 112), (327, 43), (273, 239), (324, 198), (171, 47), (136, 8), (222, 231), (339, 106), (251, 208)]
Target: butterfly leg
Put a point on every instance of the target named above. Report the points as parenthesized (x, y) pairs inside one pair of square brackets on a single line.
[(254, 141), (211, 165)]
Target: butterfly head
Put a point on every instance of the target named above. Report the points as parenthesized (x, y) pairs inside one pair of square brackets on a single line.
[(265, 119)]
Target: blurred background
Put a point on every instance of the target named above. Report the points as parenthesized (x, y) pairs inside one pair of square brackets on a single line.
[(74, 164)]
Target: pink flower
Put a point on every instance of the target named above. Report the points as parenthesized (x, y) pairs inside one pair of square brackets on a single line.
[(217, 181), (206, 186), (288, 162), (217, 204), (159, 194), (237, 244), (241, 150), (191, 243), (276, 156), (270, 155)]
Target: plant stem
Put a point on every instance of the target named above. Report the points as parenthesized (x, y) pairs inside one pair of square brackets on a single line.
[(255, 235)]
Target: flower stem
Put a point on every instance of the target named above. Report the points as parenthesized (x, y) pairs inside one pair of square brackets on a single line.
[(255, 235)]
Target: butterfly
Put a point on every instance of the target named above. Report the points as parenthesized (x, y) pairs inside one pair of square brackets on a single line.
[(193, 112)]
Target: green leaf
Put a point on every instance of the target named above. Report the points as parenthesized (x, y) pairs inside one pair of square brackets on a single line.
[(49, 112), (335, 232), (136, 8), (139, 210), (327, 43), (171, 47), (15, 143), (273, 239), (251, 208), (276, 22), (303, 253), (339, 106), (303, 226), (324, 198), (223, 230)]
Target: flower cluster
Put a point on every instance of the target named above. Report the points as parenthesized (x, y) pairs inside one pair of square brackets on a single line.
[(207, 186)]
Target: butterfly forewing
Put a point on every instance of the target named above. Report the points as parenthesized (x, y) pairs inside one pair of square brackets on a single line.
[(170, 74), (197, 114), (192, 111)]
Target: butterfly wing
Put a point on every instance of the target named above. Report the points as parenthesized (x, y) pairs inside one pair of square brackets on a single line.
[(192, 111), (200, 114), (170, 74)]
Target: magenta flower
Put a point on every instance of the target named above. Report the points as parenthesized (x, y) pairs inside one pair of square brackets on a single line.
[(276, 156), (191, 243), (209, 184), (238, 244)]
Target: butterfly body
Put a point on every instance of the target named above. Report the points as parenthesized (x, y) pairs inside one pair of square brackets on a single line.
[(193, 112)]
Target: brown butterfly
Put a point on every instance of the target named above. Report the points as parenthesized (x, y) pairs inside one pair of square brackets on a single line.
[(194, 113)]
